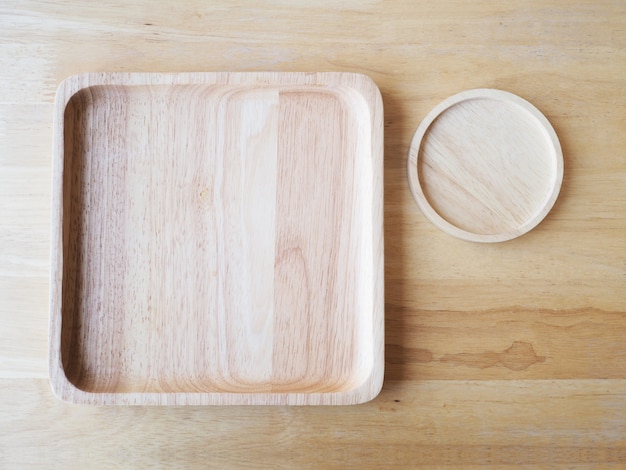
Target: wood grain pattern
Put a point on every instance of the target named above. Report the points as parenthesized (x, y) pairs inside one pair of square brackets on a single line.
[(524, 423), (219, 239), (453, 309)]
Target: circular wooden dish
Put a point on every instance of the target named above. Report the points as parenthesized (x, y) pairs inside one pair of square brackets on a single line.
[(485, 166)]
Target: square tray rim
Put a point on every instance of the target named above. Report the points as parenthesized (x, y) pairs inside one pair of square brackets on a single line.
[(365, 86)]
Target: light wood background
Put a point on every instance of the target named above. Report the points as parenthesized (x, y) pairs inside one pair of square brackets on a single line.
[(504, 354)]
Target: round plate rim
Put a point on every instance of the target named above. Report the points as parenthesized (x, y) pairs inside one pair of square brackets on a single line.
[(445, 225)]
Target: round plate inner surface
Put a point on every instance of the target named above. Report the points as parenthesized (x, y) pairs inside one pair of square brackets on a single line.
[(485, 165)]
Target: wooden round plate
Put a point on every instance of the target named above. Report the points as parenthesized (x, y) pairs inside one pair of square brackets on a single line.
[(485, 165)]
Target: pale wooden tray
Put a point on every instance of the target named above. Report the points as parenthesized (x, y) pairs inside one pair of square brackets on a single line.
[(217, 239)]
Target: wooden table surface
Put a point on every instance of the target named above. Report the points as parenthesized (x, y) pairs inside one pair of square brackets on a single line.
[(497, 354)]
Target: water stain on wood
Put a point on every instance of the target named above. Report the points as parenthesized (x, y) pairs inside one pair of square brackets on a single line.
[(519, 356)]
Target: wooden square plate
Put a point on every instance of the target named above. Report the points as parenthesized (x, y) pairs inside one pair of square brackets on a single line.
[(217, 239)]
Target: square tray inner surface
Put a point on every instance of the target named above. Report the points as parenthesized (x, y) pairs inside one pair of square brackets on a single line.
[(220, 243)]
